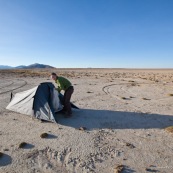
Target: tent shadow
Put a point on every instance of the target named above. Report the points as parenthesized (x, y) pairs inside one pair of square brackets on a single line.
[(5, 160), (98, 119)]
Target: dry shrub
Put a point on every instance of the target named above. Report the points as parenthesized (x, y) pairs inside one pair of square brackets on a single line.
[(119, 169), (169, 129)]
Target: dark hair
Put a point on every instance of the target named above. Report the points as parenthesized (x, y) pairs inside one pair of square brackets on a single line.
[(54, 74)]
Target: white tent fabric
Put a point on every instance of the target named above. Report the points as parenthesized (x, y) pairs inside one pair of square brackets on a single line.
[(41, 102), (23, 102), (57, 106)]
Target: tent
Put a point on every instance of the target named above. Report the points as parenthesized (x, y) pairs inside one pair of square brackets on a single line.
[(41, 102)]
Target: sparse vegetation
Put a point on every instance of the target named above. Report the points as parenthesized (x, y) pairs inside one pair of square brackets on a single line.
[(169, 129), (119, 169), (170, 94)]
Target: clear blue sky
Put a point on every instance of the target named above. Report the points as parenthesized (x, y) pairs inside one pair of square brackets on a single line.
[(87, 33)]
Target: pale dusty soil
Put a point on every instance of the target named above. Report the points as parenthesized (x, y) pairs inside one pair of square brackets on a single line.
[(125, 113)]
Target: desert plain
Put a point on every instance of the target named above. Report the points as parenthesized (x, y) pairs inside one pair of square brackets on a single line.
[(121, 126)]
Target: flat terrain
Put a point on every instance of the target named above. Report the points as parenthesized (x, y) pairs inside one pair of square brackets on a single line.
[(125, 113)]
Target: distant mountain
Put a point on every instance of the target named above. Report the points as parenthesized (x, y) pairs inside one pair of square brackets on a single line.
[(5, 67), (36, 65), (21, 66), (32, 66)]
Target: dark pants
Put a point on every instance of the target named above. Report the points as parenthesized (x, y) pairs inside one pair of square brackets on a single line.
[(67, 97)]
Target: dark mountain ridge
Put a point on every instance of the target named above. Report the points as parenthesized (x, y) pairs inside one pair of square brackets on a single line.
[(32, 66)]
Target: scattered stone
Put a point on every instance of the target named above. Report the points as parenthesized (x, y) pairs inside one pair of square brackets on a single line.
[(130, 145), (133, 84), (44, 135), (169, 129), (82, 128), (124, 98), (150, 170), (152, 166), (6, 149), (145, 98), (22, 145), (119, 169), (89, 92)]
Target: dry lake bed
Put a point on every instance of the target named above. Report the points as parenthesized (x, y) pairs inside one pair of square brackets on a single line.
[(121, 125)]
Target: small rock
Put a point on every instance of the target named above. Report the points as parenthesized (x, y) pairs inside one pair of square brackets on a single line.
[(89, 92), (130, 145), (82, 128), (44, 135), (6, 149), (150, 170), (124, 98), (22, 145)]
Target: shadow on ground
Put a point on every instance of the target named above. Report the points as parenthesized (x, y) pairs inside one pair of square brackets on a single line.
[(5, 160), (28, 146), (97, 119)]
